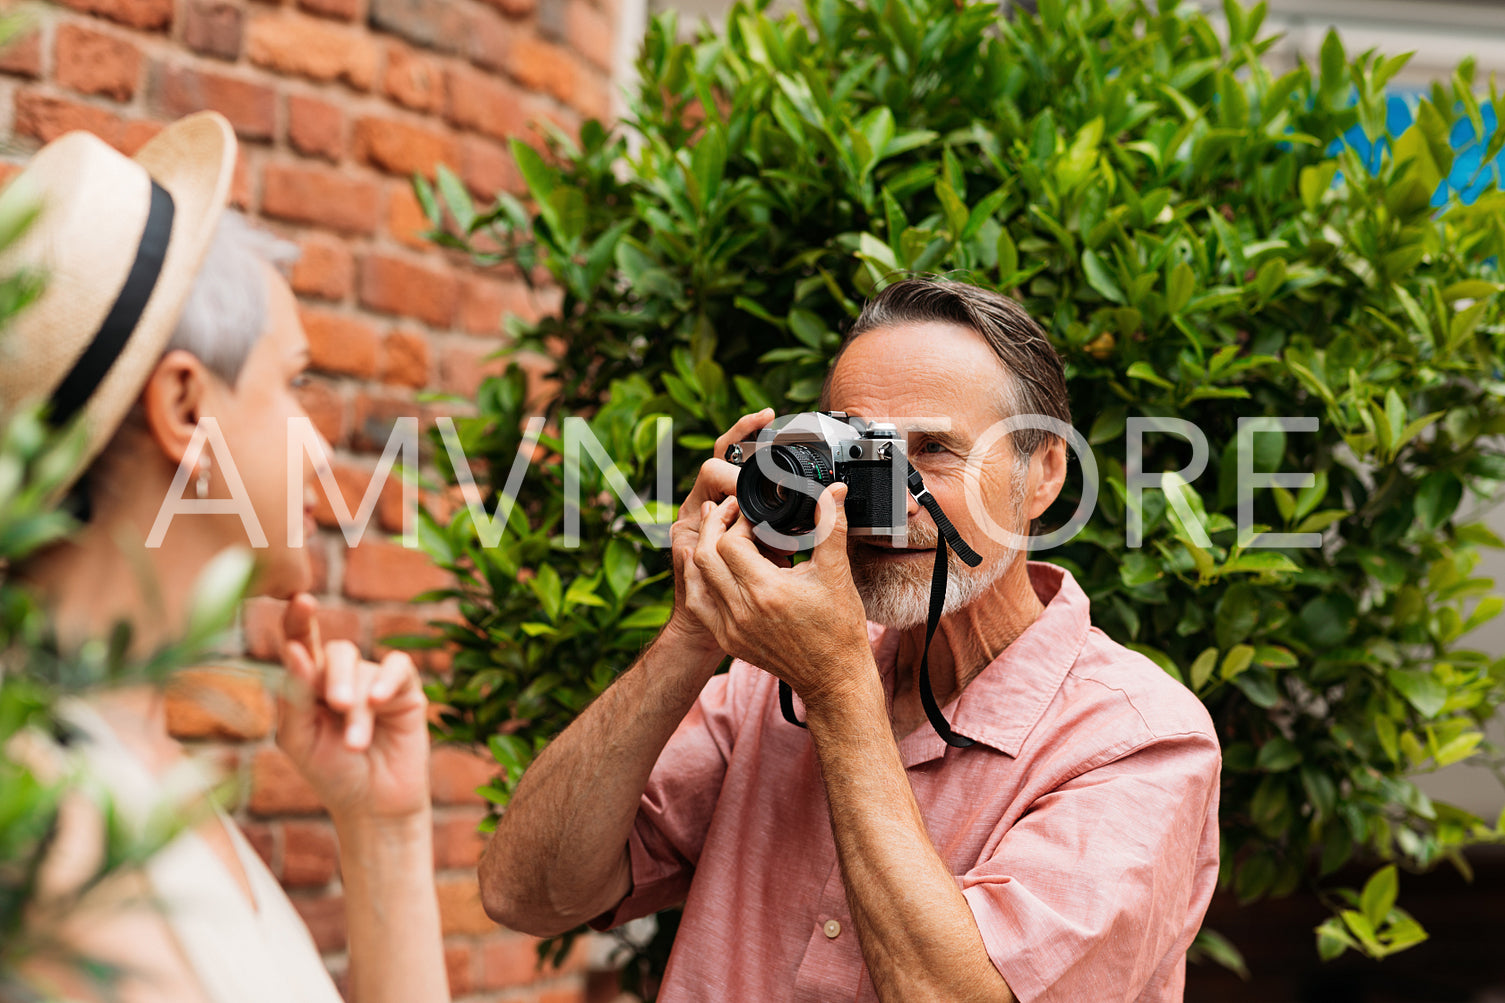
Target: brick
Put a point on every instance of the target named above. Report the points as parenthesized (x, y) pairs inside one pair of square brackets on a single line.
[(593, 96), (490, 41), (262, 840), (457, 843), (218, 703), (458, 963), (22, 57), (462, 368), (352, 481), (134, 135), (340, 10), (251, 107), (432, 24), (214, 28), (515, 8), (544, 66), (398, 286), (297, 45), (325, 268), (402, 148), (460, 907), (324, 405), (243, 184), (320, 196), (318, 560), (562, 994), (277, 788), (487, 168), (510, 960), (324, 915), (147, 15), (340, 343), (309, 856), (589, 33), (262, 625), (412, 80), (482, 103), (46, 118), (405, 359), (405, 219), (376, 416), (378, 570), (485, 303), (315, 128), (456, 772)]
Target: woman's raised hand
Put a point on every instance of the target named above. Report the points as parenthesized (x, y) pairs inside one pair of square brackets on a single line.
[(357, 730)]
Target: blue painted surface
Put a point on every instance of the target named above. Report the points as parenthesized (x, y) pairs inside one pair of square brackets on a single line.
[(1465, 180)]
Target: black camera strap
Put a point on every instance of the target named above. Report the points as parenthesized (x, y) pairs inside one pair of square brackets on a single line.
[(949, 539)]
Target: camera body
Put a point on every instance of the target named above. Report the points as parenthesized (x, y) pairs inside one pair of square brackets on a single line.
[(787, 467)]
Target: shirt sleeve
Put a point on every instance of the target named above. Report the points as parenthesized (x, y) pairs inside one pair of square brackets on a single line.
[(1105, 876), (676, 807)]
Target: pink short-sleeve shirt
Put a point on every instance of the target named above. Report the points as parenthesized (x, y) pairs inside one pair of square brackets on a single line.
[(1081, 828)]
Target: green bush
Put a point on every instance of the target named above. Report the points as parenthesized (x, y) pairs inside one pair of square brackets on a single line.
[(1169, 209)]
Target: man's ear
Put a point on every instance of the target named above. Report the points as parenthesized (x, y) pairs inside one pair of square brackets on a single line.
[(1047, 475), (173, 401)]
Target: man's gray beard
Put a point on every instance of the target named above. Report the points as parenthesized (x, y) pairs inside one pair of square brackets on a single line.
[(896, 593)]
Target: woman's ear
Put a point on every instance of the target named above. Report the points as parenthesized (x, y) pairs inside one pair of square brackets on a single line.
[(1048, 475), (173, 400)]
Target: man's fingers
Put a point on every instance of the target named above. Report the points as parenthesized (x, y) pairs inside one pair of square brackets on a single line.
[(831, 515), (713, 526), (745, 428)]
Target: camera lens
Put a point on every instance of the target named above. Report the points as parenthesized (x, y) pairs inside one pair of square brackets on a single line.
[(777, 500)]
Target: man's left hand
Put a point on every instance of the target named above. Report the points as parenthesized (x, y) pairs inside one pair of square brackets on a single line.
[(805, 624)]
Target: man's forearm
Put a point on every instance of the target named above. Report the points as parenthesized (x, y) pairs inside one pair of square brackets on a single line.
[(918, 936), (559, 857), (392, 913)]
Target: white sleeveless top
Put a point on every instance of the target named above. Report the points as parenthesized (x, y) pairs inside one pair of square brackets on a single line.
[(240, 954)]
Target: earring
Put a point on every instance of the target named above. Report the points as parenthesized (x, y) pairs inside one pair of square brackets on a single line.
[(201, 488)]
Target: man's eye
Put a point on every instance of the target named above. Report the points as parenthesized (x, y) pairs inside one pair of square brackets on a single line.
[(299, 381), (931, 446)]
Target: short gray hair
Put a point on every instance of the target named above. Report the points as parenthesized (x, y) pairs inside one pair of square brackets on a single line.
[(226, 311), (223, 318)]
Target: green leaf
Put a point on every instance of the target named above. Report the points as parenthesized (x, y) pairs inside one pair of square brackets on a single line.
[(457, 198), (540, 178), (1179, 287), (1099, 279), (1378, 897), (1239, 658), (620, 562), (546, 585), (1201, 669), (649, 617), (1145, 371), (1316, 180), (1278, 755), (1421, 689), (1437, 498)]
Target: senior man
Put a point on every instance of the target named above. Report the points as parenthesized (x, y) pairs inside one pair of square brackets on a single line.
[(1066, 854)]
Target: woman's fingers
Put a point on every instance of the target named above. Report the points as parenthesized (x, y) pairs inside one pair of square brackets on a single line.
[(394, 676)]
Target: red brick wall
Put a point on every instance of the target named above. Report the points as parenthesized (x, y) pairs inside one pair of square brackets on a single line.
[(335, 103)]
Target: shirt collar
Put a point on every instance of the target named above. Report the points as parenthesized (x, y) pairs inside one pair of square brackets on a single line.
[(1004, 702)]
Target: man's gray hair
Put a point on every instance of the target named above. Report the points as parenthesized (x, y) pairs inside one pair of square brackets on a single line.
[(226, 311)]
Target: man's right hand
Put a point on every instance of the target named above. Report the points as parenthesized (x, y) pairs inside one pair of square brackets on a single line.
[(717, 480)]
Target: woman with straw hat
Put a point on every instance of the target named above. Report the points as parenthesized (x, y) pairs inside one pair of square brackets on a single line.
[(161, 309)]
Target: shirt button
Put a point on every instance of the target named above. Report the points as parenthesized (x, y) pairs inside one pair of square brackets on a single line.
[(832, 929)]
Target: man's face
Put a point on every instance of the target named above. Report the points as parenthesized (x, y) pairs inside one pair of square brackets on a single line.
[(941, 384)]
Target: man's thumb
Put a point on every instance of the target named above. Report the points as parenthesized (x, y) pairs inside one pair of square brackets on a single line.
[(832, 519)]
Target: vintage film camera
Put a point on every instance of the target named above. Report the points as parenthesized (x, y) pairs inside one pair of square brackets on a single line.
[(786, 468)]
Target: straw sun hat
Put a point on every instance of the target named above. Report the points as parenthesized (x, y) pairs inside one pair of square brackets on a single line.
[(118, 242)]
